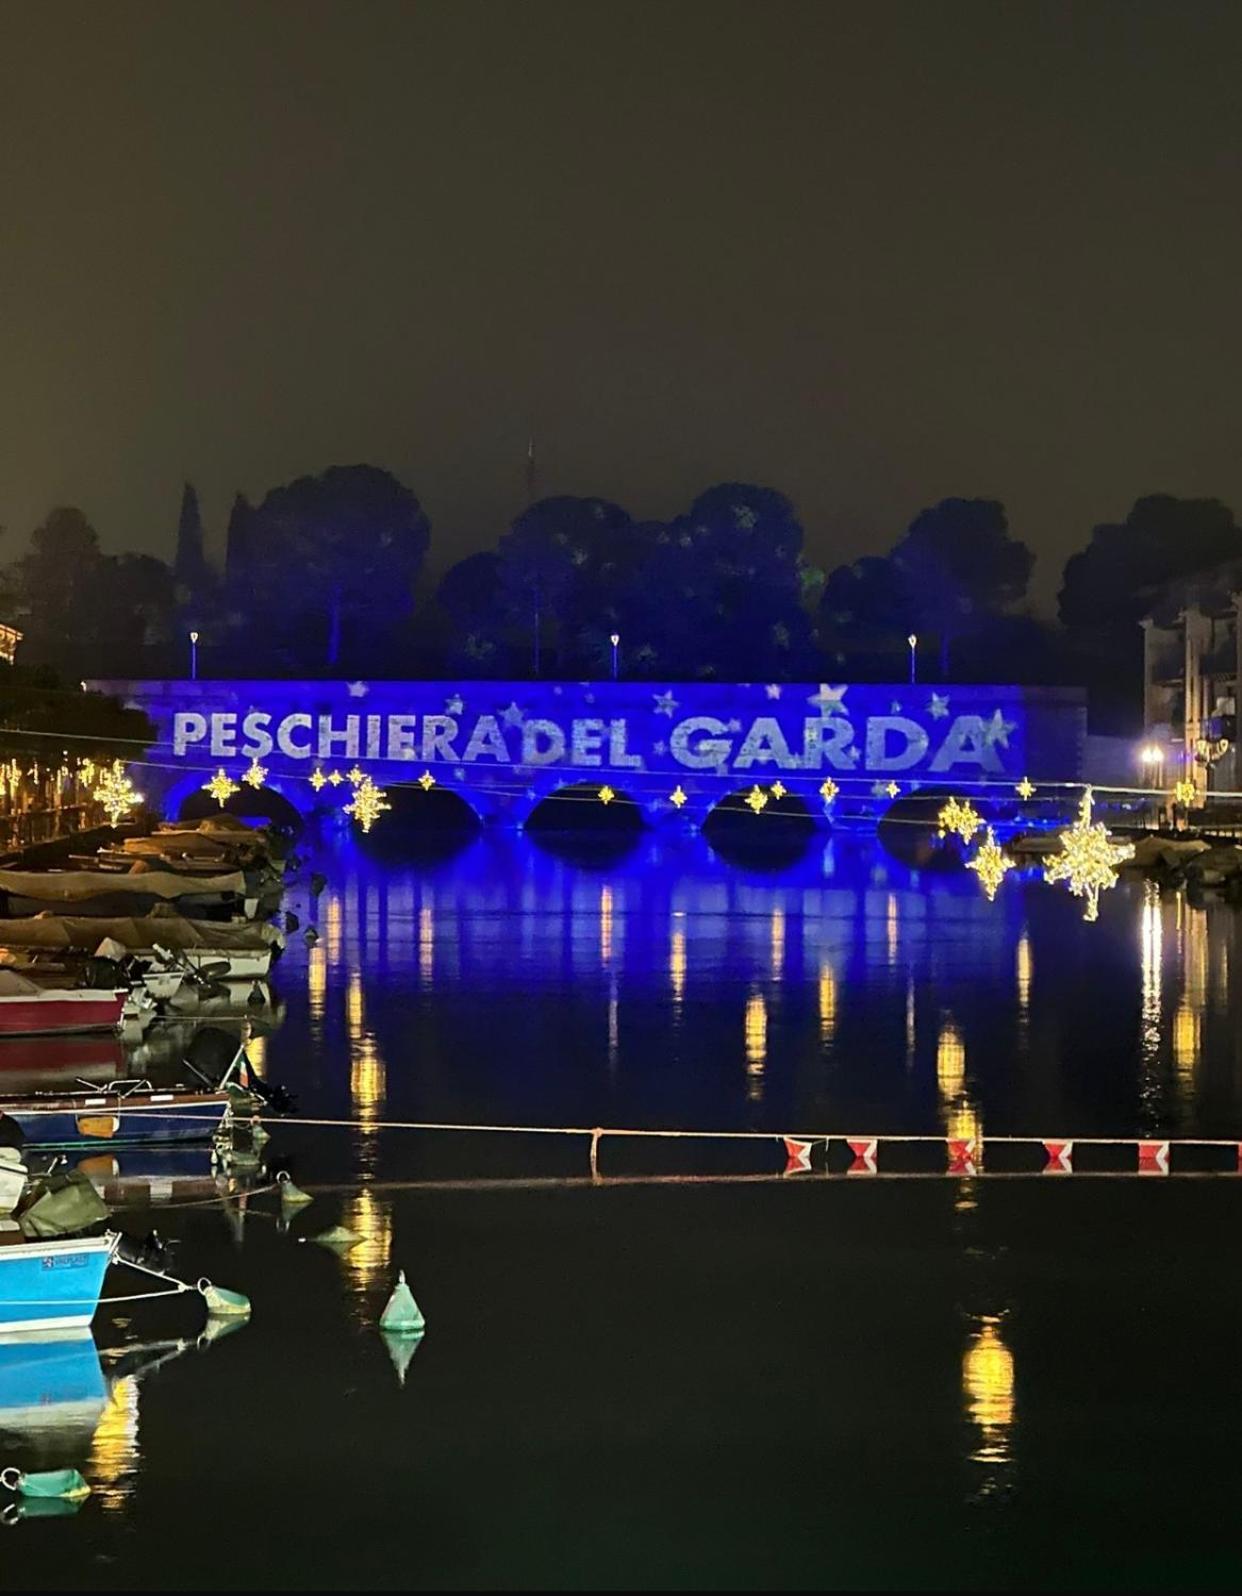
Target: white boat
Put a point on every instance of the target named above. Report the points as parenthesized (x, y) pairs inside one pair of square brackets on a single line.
[(12, 1179)]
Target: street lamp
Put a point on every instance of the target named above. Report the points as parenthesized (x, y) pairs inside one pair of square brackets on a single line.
[(1152, 756), (913, 641), (615, 640), (193, 656)]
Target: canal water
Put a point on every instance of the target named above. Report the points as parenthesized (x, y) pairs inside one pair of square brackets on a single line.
[(691, 1372)]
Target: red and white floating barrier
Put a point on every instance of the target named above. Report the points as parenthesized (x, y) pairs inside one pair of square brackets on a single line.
[(1060, 1158), (864, 1149), (1153, 1158)]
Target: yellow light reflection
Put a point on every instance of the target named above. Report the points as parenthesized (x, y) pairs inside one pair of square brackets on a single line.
[(827, 1002), (368, 1082), (677, 968), (950, 1061), (354, 1019), (333, 926), (114, 1447), (317, 983), (369, 1216), (256, 1052), (778, 943), (1152, 938), (605, 924), (1186, 1038), (988, 1392), (756, 1034)]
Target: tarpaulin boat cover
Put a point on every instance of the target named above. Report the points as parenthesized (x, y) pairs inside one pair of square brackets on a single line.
[(66, 1205), (68, 886), (169, 929)]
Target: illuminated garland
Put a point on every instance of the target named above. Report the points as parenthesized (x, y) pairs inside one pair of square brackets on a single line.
[(757, 799), (1026, 789), (677, 797), (1088, 859), (1185, 793), (255, 774), (828, 789)]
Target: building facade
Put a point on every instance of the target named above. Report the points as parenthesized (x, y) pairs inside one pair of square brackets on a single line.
[(1192, 665)]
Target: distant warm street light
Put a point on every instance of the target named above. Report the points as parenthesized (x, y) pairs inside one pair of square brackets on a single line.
[(914, 643), (615, 640), (193, 656), (1152, 756)]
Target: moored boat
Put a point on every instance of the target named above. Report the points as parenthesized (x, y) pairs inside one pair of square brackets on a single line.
[(50, 1285), (31, 1008), (128, 1112)]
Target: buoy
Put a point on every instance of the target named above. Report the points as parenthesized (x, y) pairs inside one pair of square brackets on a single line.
[(310, 936), (292, 1196), (222, 1304), (401, 1349), (258, 1135), (402, 1316), (339, 1237), (65, 1484)]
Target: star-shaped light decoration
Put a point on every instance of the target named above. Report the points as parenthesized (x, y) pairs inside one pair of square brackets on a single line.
[(368, 803), (961, 819), (426, 781), (317, 779), (996, 731), (778, 790), (355, 776), (895, 707), (513, 716), (757, 799), (1026, 789), (254, 774), (1185, 793), (665, 704), (453, 705), (1088, 859), (357, 689), (221, 786), (829, 700), (991, 864), (606, 794), (773, 689), (828, 789), (115, 792), (336, 778), (887, 788), (938, 706), (677, 797)]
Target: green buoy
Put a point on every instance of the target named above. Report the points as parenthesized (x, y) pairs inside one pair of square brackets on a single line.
[(339, 1238), (292, 1196), (66, 1485), (223, 1304), (402, 1316)]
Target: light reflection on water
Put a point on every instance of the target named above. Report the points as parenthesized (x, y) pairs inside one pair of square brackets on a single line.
[(114, 1455), (988, 1399)]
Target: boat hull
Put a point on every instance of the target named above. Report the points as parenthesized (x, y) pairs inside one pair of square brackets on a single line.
[(61, 1013), (52, 1285), (90, 1121)]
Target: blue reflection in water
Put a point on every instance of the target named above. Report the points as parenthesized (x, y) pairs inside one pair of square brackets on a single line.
[(845, 991)]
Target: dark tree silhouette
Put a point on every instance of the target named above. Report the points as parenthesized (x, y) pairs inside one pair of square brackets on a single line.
[(331, 565)]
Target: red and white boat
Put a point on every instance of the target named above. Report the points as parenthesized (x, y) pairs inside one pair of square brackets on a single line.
[(29, 1009)]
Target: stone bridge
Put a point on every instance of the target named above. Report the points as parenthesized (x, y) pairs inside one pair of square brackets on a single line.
[(674, 749)]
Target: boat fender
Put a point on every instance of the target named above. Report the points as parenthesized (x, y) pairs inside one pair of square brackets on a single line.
[(67, 1484)]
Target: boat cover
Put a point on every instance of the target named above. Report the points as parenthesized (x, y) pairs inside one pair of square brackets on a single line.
[(69, 886), (137, 932)]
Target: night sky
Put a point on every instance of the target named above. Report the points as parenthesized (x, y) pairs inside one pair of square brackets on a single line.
[(871, 254)]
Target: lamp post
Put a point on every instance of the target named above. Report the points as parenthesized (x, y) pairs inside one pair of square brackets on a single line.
[(615, 640), (913, 641), (193, 656)]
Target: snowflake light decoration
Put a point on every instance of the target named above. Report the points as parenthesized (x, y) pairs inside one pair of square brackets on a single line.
[(757, 799), (1185, 793), (368, 803), (317, 779), (991, 864), (778, 790), (828, 789), (677, 797), (426, 781), (254, 774), (116, 793), (606, 794), (356, 776), (221, 786), (961, 819), (1088, 859), (1026, 789)]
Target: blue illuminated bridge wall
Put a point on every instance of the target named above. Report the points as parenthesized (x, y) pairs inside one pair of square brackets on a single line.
[(504, 746)]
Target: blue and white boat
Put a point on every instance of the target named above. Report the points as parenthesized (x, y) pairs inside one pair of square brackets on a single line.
[(52, 1285)]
